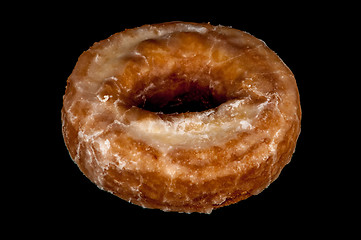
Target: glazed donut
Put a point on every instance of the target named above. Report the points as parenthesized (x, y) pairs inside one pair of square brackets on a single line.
[(181, 117)]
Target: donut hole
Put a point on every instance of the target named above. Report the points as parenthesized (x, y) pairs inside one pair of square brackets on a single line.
[(181, 98)]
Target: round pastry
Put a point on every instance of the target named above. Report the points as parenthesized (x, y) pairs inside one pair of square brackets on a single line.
[(181, 116)]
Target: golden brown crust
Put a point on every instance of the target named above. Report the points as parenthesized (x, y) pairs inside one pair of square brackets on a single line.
[(181, 116)]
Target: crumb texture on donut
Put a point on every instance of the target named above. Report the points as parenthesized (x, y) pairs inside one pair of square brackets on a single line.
[(181, 116)]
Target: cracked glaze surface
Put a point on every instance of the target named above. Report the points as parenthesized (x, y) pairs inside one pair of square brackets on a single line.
[(186, 161)]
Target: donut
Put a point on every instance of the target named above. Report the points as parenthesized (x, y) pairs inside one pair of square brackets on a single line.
[(181, 117)]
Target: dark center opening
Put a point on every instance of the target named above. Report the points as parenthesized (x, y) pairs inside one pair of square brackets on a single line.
[(182, 98)]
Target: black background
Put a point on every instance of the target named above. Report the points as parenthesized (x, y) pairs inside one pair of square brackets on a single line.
[(57, 196)]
